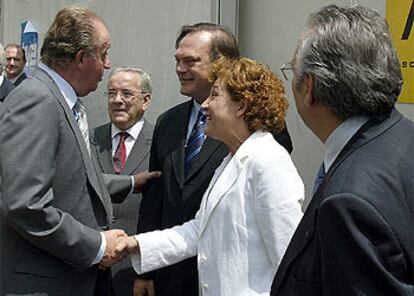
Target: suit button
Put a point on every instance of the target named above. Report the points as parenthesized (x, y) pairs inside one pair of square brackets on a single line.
[(205, 287), (113, 219)]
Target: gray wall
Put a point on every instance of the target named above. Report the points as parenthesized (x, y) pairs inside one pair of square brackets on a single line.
[(143, 34), (268, 32)]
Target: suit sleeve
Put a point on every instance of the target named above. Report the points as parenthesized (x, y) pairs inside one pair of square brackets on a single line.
[(163, 248), (360, 254), (278, 192), (29, 132), (119, 186)]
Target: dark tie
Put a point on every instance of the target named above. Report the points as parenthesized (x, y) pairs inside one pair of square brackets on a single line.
[(319, 178), (80, 116), (120, 153), (195, 141)]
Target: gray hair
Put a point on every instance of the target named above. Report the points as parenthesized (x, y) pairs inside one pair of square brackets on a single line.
[(144, 78), (349, 53), (2, 58)]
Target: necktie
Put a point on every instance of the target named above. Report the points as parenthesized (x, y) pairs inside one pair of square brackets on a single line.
[(195, 141), (80, 116), (319, 178), (120, 153)]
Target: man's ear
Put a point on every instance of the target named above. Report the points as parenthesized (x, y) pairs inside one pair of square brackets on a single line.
[(308, 81), (80, 58), (147, 101)]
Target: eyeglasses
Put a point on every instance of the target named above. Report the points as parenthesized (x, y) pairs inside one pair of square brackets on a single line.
[(125, 93), (285, 68)]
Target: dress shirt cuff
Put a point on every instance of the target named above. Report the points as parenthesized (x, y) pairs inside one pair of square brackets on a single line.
[(136, 259), (101, 251)]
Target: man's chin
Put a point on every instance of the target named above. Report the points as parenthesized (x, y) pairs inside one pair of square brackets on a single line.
[(186, 92)]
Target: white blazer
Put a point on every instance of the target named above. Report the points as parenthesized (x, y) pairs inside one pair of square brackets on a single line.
[(245, 222)]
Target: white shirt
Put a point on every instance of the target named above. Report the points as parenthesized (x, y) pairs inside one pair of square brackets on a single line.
[(339, 137), (1, 79), (133, 132), (70, 97)]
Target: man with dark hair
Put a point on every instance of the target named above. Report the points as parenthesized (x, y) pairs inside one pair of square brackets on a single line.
[(15, 62), (55, 210), (187, 167), (356, 237)]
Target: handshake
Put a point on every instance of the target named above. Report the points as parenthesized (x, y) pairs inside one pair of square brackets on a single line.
[(118, 246)]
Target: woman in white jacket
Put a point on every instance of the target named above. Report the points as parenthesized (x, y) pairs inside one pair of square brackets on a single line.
[(253, 204)]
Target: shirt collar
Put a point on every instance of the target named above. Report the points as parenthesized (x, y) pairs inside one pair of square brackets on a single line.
[(339, 137), (65, 88), (13, 80), (1, 79), (196, 107), (133, 131)]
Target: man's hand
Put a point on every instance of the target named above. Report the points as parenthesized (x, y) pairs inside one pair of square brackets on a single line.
[(126, 245), (144, 287), (112, 238), (141, 179)]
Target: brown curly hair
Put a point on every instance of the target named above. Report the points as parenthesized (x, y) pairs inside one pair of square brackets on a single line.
[(256, 85)]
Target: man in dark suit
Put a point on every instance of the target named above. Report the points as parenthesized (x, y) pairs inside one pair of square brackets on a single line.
[(15, 62), (5, 85), (55, 210), (176, 197), (356, 237), (129, 95)]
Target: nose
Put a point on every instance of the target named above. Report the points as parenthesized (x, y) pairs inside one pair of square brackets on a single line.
[(204, 105), (180, 67)]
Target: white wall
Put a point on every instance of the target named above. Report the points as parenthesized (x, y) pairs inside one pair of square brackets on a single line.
[(268, 32)]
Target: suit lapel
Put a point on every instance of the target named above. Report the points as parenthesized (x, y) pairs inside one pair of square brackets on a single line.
[(89, 168), (207, 150), (305, 230), (177, 156), (139, 151), (103, 146), (224, 179)]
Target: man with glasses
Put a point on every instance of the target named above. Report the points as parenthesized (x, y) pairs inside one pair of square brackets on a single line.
[(122, 147), (356, 237)]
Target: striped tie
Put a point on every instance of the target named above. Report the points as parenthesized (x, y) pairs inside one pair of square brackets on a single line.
[(80, 116), (195, 141)]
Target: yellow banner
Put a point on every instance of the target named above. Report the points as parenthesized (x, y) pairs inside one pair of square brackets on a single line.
[(400, 17)]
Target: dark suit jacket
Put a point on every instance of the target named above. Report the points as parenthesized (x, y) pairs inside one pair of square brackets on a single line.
[(53, 204), (20, 79), (357, 235), (174, 198), (125, 214), (5, 88)]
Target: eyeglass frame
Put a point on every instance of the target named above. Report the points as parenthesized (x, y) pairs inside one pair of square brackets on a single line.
[(286, 67), (123, 94)]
